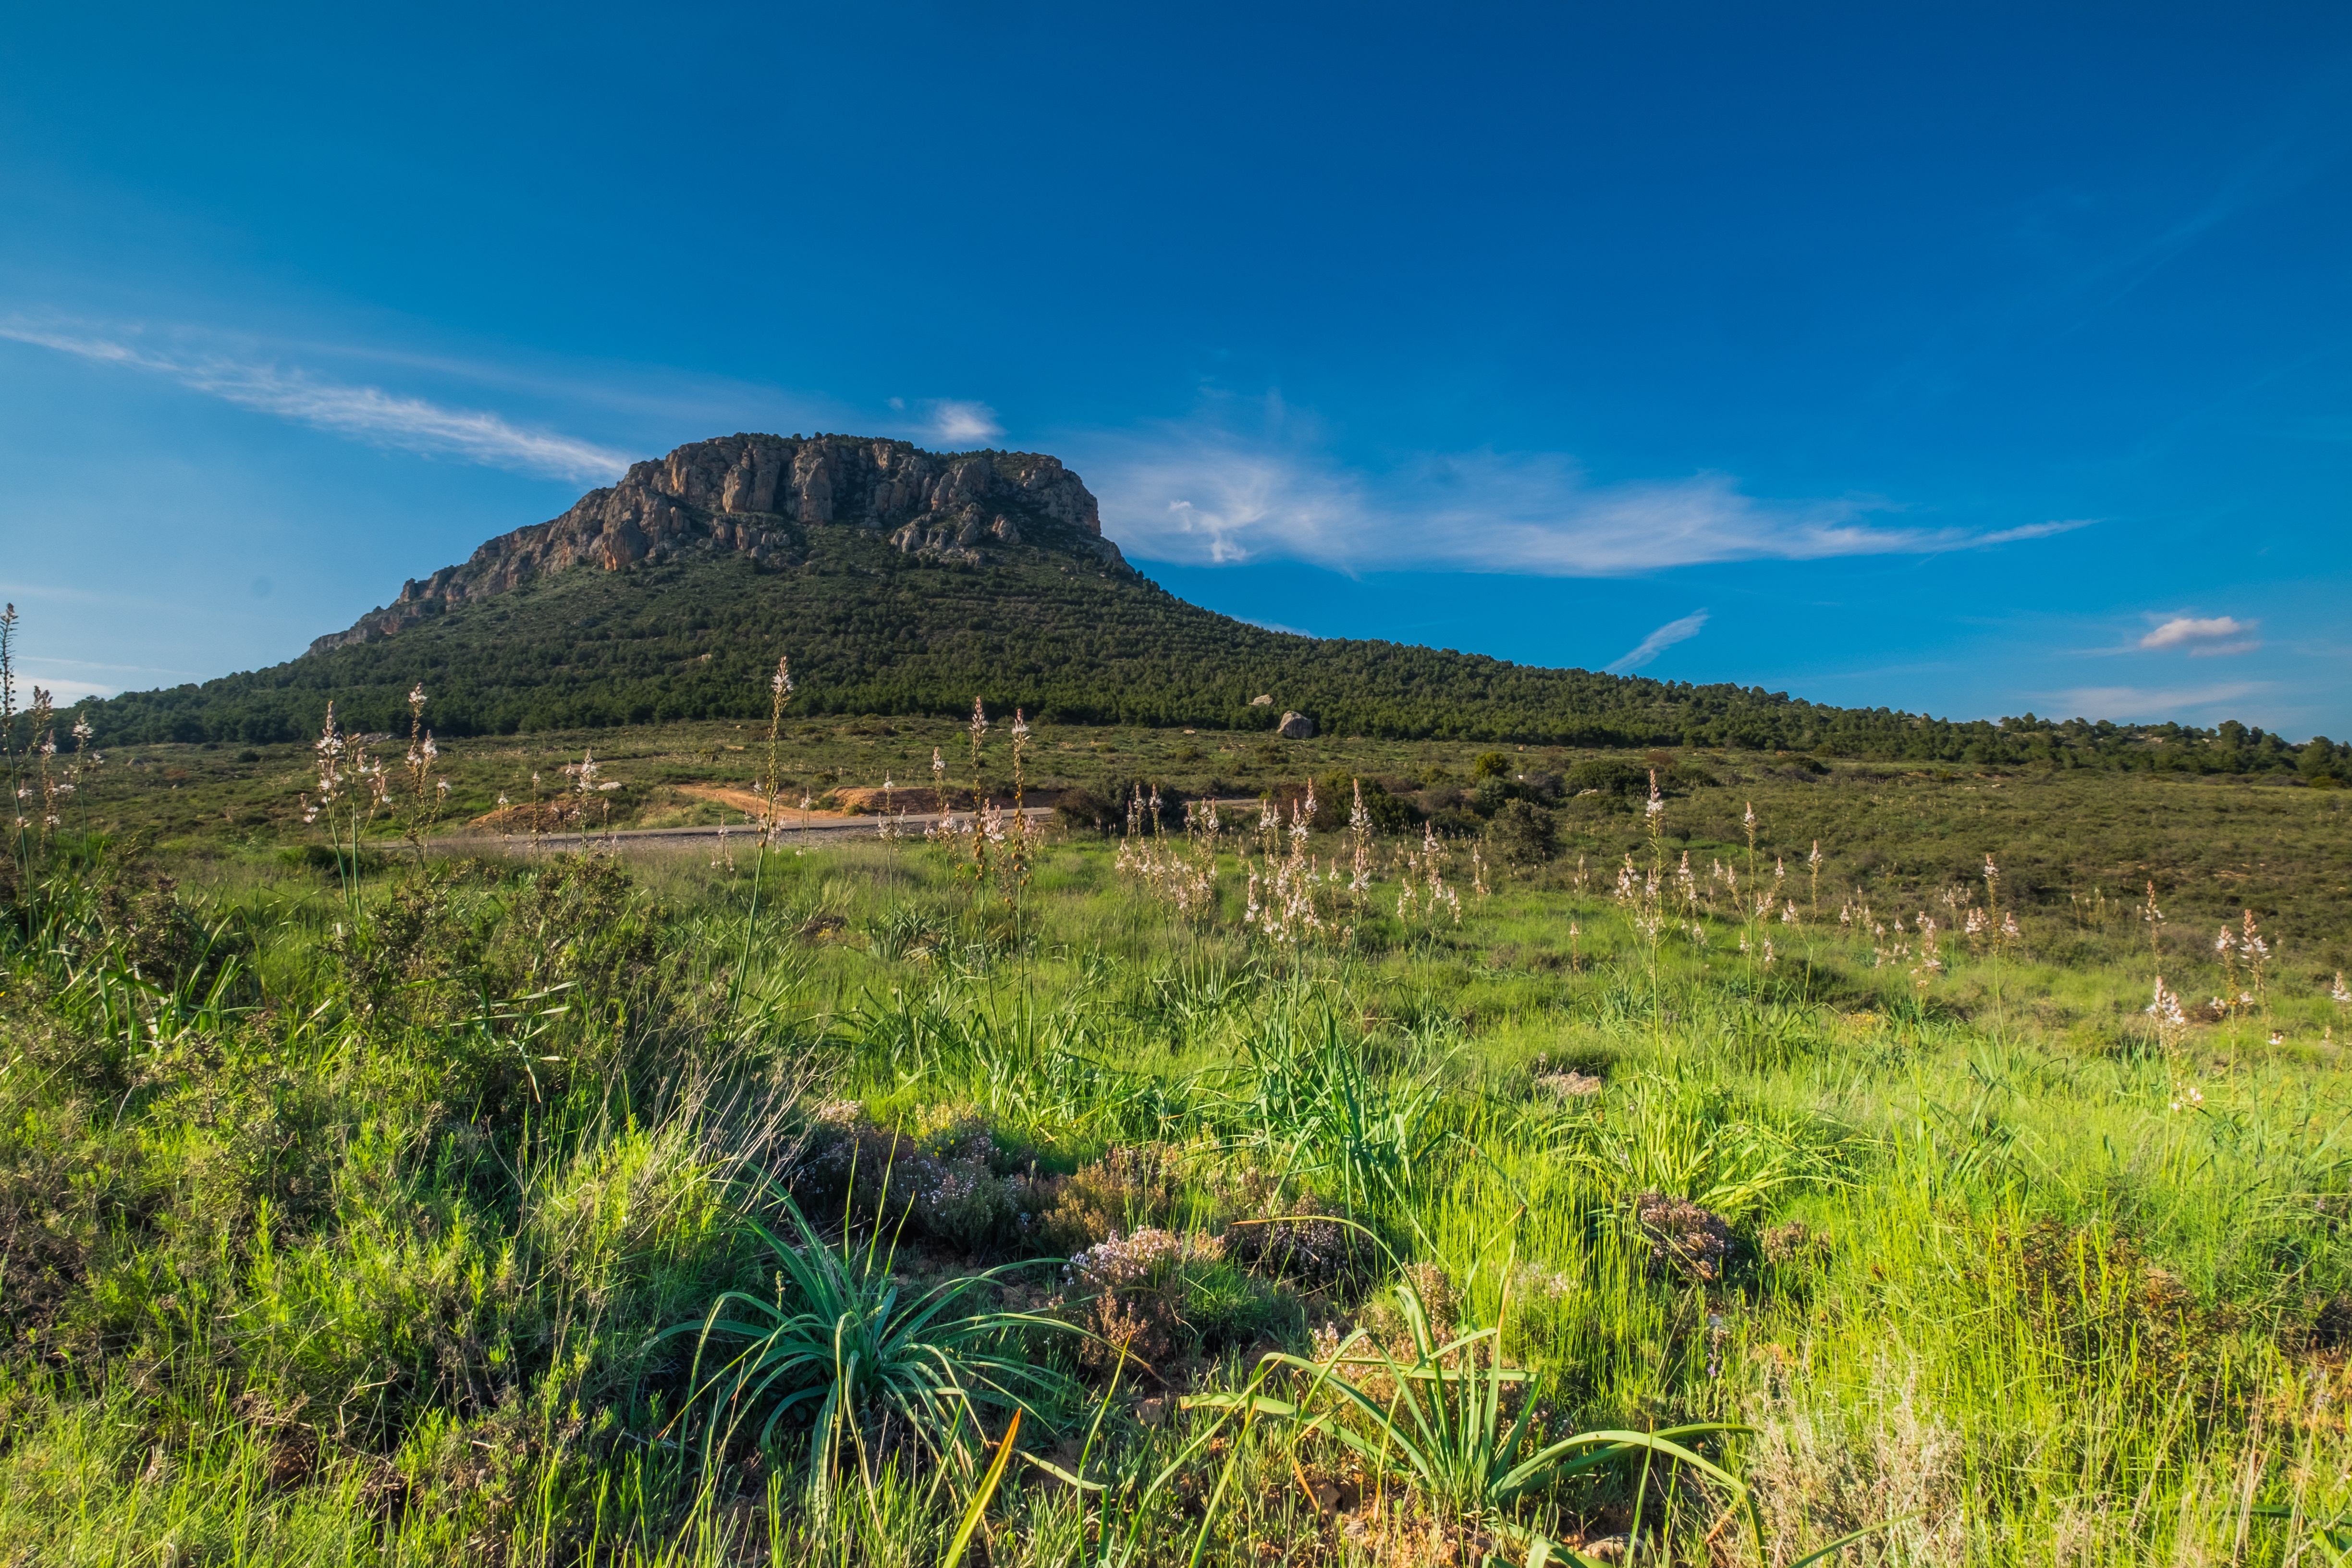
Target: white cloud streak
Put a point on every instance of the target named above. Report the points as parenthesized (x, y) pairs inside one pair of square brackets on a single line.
[(365, 413), (2203, 638), (2144, 704), (65, 691), (1658, 641), (963, 423), (1203, 494)]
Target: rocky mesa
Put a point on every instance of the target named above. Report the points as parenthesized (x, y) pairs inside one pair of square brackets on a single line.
[(755, 495)]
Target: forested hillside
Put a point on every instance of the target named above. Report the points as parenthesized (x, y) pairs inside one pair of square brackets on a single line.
[(870, 630)]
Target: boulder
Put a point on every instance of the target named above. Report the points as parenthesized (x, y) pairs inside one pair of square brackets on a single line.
[(1296, 727), (1261, 701)]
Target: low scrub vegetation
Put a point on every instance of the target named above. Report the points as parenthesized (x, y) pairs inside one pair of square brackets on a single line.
[(1386, 1199)]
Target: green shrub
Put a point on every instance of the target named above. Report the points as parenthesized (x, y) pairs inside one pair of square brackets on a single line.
[(1524, 834)]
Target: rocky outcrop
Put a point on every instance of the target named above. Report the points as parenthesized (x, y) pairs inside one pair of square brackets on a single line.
[(756, 495), (1296, 727)]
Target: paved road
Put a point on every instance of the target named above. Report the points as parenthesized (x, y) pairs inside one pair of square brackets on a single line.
[(789, 834)]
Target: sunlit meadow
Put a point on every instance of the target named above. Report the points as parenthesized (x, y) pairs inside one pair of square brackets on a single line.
[(1392, 1157)]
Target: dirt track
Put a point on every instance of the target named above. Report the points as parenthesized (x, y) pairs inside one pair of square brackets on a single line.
[(819, 829)]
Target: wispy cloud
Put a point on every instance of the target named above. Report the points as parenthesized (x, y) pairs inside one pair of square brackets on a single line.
[(1658, 641), (1206, 492), (2214, 636), (963, 424), (2129, 704), (366, 412)]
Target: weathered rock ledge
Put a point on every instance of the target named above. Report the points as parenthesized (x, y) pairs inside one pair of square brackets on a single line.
[(756, 495)]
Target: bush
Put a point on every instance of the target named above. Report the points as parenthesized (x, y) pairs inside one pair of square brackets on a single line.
[(156, 936), (1334, 799), (1629, 781), (1309, 1246), (944, 1186), (1084, 810), (1127, 1189), (1685, 1241), (1524, 834), (329, 861), (1604, 775), (1153, 1296)]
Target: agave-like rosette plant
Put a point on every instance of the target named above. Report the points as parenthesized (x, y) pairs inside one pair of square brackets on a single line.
[(843, 1341)]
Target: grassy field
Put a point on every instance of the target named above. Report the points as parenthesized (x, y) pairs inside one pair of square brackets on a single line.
[(2083, 843), (1323, 1194)]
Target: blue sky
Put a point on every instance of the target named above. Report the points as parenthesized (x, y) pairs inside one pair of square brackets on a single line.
[(1975, 360)]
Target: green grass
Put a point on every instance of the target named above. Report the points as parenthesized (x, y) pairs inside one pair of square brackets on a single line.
[(326, 1239)]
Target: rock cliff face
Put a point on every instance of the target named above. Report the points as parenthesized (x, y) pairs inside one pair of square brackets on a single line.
[(755, 495)]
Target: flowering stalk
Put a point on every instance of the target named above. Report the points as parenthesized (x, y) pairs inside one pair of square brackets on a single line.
[(2257, 954), (20, 844), (1359, 831), (978, 793), (346, 772), (2171, 1030), (1019, 867), (45, 746), (85, 760), (1998, 934), (1754, 936), (421, 755), (779, 690)]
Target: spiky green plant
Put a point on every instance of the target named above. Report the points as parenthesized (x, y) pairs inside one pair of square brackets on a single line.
[(1444, 1423), (844, 1343)]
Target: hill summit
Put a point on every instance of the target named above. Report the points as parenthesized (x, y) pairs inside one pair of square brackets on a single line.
[(750, 495)]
